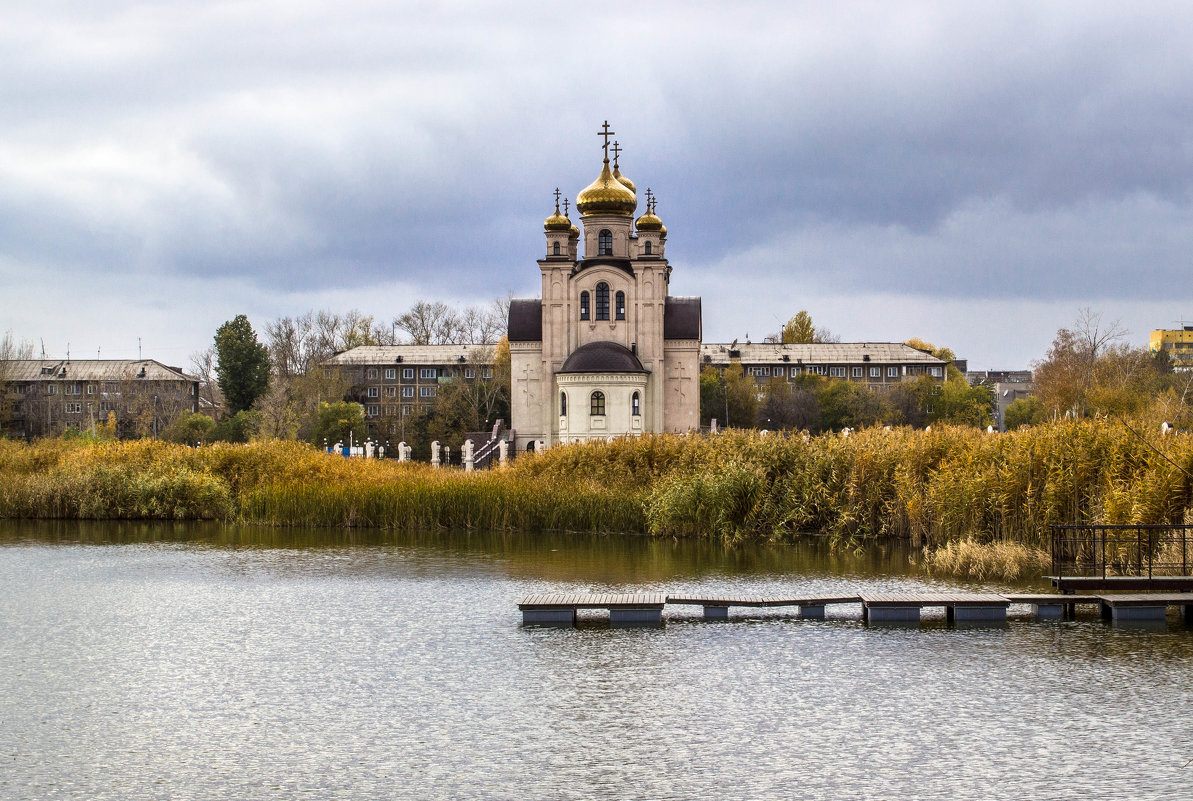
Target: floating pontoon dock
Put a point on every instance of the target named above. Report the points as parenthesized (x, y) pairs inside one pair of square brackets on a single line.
[(559, 609)]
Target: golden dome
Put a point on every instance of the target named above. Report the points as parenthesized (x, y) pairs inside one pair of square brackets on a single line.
[(606, 195), (626, 182), (557, 222), (575, 230), (649, 222)]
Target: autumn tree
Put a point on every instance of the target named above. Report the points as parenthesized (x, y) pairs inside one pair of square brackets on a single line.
[(242, 364)]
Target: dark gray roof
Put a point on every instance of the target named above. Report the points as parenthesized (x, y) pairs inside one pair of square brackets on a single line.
[(681, 318), (526, 320), (603, 357)]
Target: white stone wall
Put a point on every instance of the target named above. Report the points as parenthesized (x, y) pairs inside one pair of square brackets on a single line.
[(618, 421)]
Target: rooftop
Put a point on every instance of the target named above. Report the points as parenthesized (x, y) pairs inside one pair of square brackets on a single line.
[(91, 370), (817, 353), (412, 354)]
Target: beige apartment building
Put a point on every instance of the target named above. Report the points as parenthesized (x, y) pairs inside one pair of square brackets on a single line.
[(45, 397)]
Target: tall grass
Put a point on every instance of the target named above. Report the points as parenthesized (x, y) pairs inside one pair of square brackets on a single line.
[(932, 487)]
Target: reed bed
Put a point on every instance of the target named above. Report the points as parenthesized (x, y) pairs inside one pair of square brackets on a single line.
[(932, 487), (995, 561)]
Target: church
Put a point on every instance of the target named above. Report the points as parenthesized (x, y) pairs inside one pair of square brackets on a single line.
[(607, 351)]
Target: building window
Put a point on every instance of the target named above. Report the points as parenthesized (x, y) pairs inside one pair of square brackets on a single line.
[(372, 411), (469, 372), (759, 370), (876, 372), (836, 372), (583, 305), (602, 301), (892, 372), (597, 406), (486, 372), (73, 408), (371, 372), (104, 406), (391, 373), (780, 371), (407, 372), (90, 389), (374, 392), (857, 372), (555, 249), (407, 392), (620, 305), (605, 242), (426, 392), (563, 404), (51, 389), (635, 404), (646, 249), (935, 371), (391, 392), (427, 372)]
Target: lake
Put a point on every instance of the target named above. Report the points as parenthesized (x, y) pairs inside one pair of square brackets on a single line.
[(153, 661)]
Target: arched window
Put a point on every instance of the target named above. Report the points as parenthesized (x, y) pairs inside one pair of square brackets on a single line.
[(563, 404), (635, 405), (583, 305), (605, 242), (646, 249), (555, 249), (602, 301), (619, 306), (597, 404)]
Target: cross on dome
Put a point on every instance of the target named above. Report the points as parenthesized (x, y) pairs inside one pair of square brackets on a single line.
[(606, 133)]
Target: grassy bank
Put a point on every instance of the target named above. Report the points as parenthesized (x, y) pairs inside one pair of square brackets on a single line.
[(932, 487)]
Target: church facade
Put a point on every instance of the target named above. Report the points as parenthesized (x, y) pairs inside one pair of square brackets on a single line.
[(606, 351)]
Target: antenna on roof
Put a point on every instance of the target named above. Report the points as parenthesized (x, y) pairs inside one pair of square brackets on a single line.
[(138, 349), (43, 349), (68, 352)]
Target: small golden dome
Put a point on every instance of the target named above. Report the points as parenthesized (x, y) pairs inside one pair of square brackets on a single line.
[(606, 195), (575, 230), (557, 222), (649, 222)]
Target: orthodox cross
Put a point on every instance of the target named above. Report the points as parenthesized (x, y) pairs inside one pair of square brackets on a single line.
[(679, 377), (557, 194), (616, 152), (649, 200), (565, 206), (606, 133)]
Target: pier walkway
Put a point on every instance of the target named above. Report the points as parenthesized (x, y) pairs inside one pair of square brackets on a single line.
[(559, 609)]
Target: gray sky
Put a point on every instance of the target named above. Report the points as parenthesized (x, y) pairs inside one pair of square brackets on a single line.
[(970, 173)]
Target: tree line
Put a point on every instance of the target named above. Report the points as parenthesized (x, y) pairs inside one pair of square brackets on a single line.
[(280, 388)]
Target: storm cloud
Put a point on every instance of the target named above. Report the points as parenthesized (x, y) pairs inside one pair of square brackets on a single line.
[(969, 173)]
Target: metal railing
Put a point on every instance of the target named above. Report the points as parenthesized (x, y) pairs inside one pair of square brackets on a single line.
[(1122, 550)]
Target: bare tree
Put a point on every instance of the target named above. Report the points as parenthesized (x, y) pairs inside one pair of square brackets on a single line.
[(430, 324), (203, 363)]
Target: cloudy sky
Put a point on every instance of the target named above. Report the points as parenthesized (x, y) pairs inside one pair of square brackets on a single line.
[(970, 173)]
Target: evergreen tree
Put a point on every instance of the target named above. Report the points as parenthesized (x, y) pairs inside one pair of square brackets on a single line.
[(243, 364)]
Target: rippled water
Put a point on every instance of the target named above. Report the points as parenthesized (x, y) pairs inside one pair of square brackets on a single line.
[(155, 662)]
